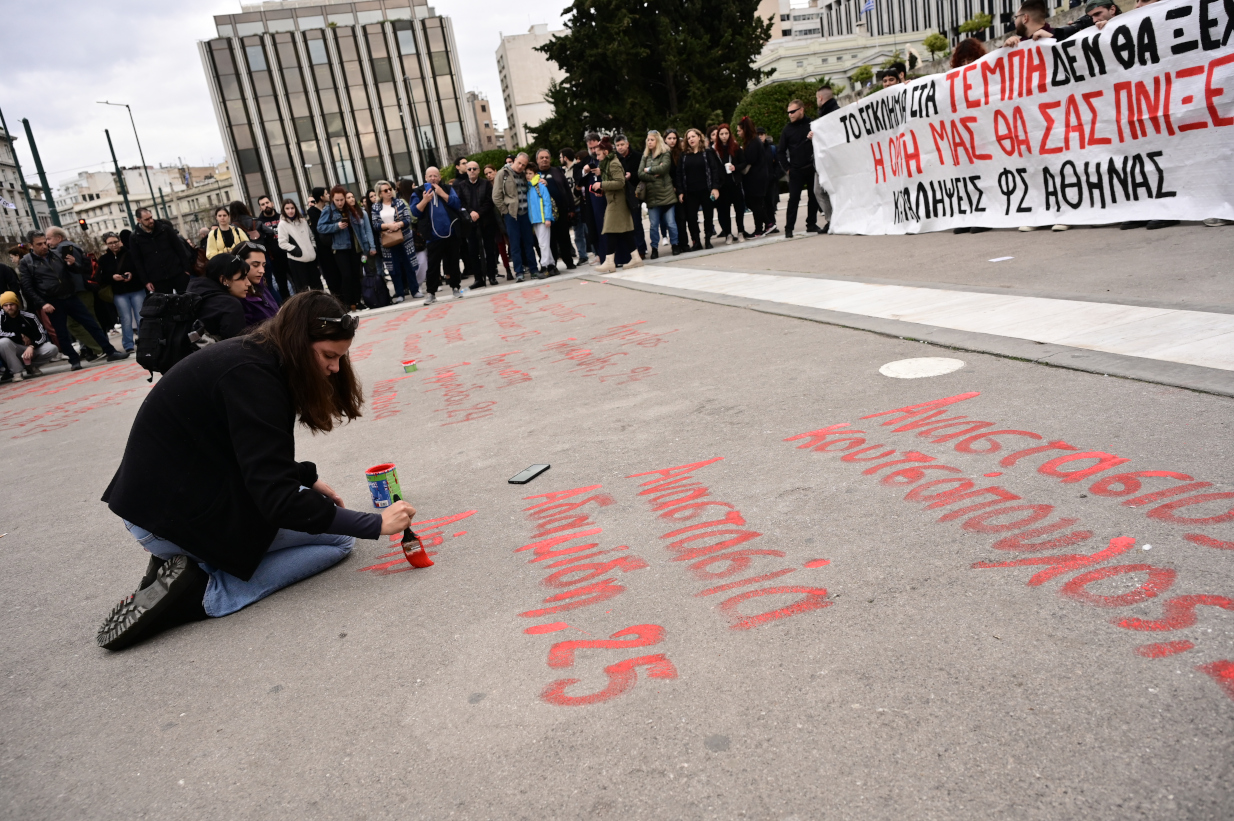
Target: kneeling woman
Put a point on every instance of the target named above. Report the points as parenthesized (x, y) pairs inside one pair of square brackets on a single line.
[(209, 483)]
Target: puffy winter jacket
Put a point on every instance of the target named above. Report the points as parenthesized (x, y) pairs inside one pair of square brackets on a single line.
[(45, 278), (657, 172)]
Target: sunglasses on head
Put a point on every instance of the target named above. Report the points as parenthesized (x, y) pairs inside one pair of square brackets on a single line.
[(347, 322), (248, 245)]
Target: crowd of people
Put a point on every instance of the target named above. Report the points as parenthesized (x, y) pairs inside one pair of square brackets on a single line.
[(404, 239)]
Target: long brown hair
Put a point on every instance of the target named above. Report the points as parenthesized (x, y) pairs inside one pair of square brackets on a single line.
[(320, 401), (348, 211), (725, 150), (748, 132)]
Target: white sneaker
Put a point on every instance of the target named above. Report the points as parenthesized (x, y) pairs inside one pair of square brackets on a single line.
[(457, 293), (430, 299), (17, 377), (396, 300), (1061, 227), (1028, 228), (1217, 222)]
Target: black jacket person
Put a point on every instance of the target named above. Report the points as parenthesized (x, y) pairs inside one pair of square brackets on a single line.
[(210, 484)]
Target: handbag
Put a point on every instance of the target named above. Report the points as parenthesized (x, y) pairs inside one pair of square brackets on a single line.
[(391, 238), (640, 191)]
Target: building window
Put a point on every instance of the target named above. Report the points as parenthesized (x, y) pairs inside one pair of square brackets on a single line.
[(783, 17), (483, 107), (786, 32), (800, 63)]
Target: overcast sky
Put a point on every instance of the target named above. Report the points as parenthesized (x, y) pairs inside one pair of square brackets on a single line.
[(61, 56)]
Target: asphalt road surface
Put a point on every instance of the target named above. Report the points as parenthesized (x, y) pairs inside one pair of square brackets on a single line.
[(760, 580)]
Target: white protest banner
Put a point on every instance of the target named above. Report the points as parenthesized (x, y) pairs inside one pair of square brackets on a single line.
[(1129, 122)]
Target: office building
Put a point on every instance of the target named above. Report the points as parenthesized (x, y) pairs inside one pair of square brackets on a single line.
[(316, 94), (477, 108), (526, 75)]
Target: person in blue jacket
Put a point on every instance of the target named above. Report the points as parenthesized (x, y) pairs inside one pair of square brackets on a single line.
[(540, 212), (351, 238), (440, 207)]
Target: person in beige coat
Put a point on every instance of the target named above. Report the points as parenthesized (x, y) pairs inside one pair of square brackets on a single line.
[(618, 224)]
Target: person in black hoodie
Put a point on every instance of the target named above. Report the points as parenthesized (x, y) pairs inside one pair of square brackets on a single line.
[(826, 99), (209, 484), (267, 222), (629, 161), (158, 255), (796, 155), (222, 289), (127, 288), (325, 251), (754, 180), (24, 344)]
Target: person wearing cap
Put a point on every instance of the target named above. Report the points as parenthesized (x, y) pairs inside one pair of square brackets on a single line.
[(24, 344), (209, 484)]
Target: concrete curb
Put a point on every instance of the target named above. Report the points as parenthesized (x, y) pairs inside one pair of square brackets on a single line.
[(1190, 377)]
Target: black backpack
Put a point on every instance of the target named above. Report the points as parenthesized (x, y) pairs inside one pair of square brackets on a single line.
[(163, 338)]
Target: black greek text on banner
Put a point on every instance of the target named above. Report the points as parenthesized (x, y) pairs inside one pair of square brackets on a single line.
[(1130, 122)]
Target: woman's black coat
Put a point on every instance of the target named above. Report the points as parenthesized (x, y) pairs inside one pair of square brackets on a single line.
[(210, 463)]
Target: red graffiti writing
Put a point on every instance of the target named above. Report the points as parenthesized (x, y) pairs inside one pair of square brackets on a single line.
[(712, 546)]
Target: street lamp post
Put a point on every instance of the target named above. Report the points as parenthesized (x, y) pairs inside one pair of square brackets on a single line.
[(140, 153)]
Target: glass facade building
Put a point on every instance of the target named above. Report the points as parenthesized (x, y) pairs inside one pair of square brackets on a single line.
[(309, 94)]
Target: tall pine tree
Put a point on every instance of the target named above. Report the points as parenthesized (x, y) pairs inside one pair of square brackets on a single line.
[(632, 65)]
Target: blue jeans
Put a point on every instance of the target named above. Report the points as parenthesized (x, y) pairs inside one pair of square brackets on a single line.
[(401, 269), (522, 243), (291, 557), (662, 215), (580, 240), (128, 306)]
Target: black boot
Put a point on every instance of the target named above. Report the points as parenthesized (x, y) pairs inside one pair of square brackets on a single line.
[(655, 253), (707, 243), (152, 571), (172, 598)]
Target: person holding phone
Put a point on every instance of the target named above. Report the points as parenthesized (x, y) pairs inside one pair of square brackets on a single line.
[(127, 288), (618, 221), (441, 209), (351, 238)]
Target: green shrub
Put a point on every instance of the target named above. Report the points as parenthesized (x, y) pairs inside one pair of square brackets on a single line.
[(767, 106), (978, 22), (495, 157), (936, 44)]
